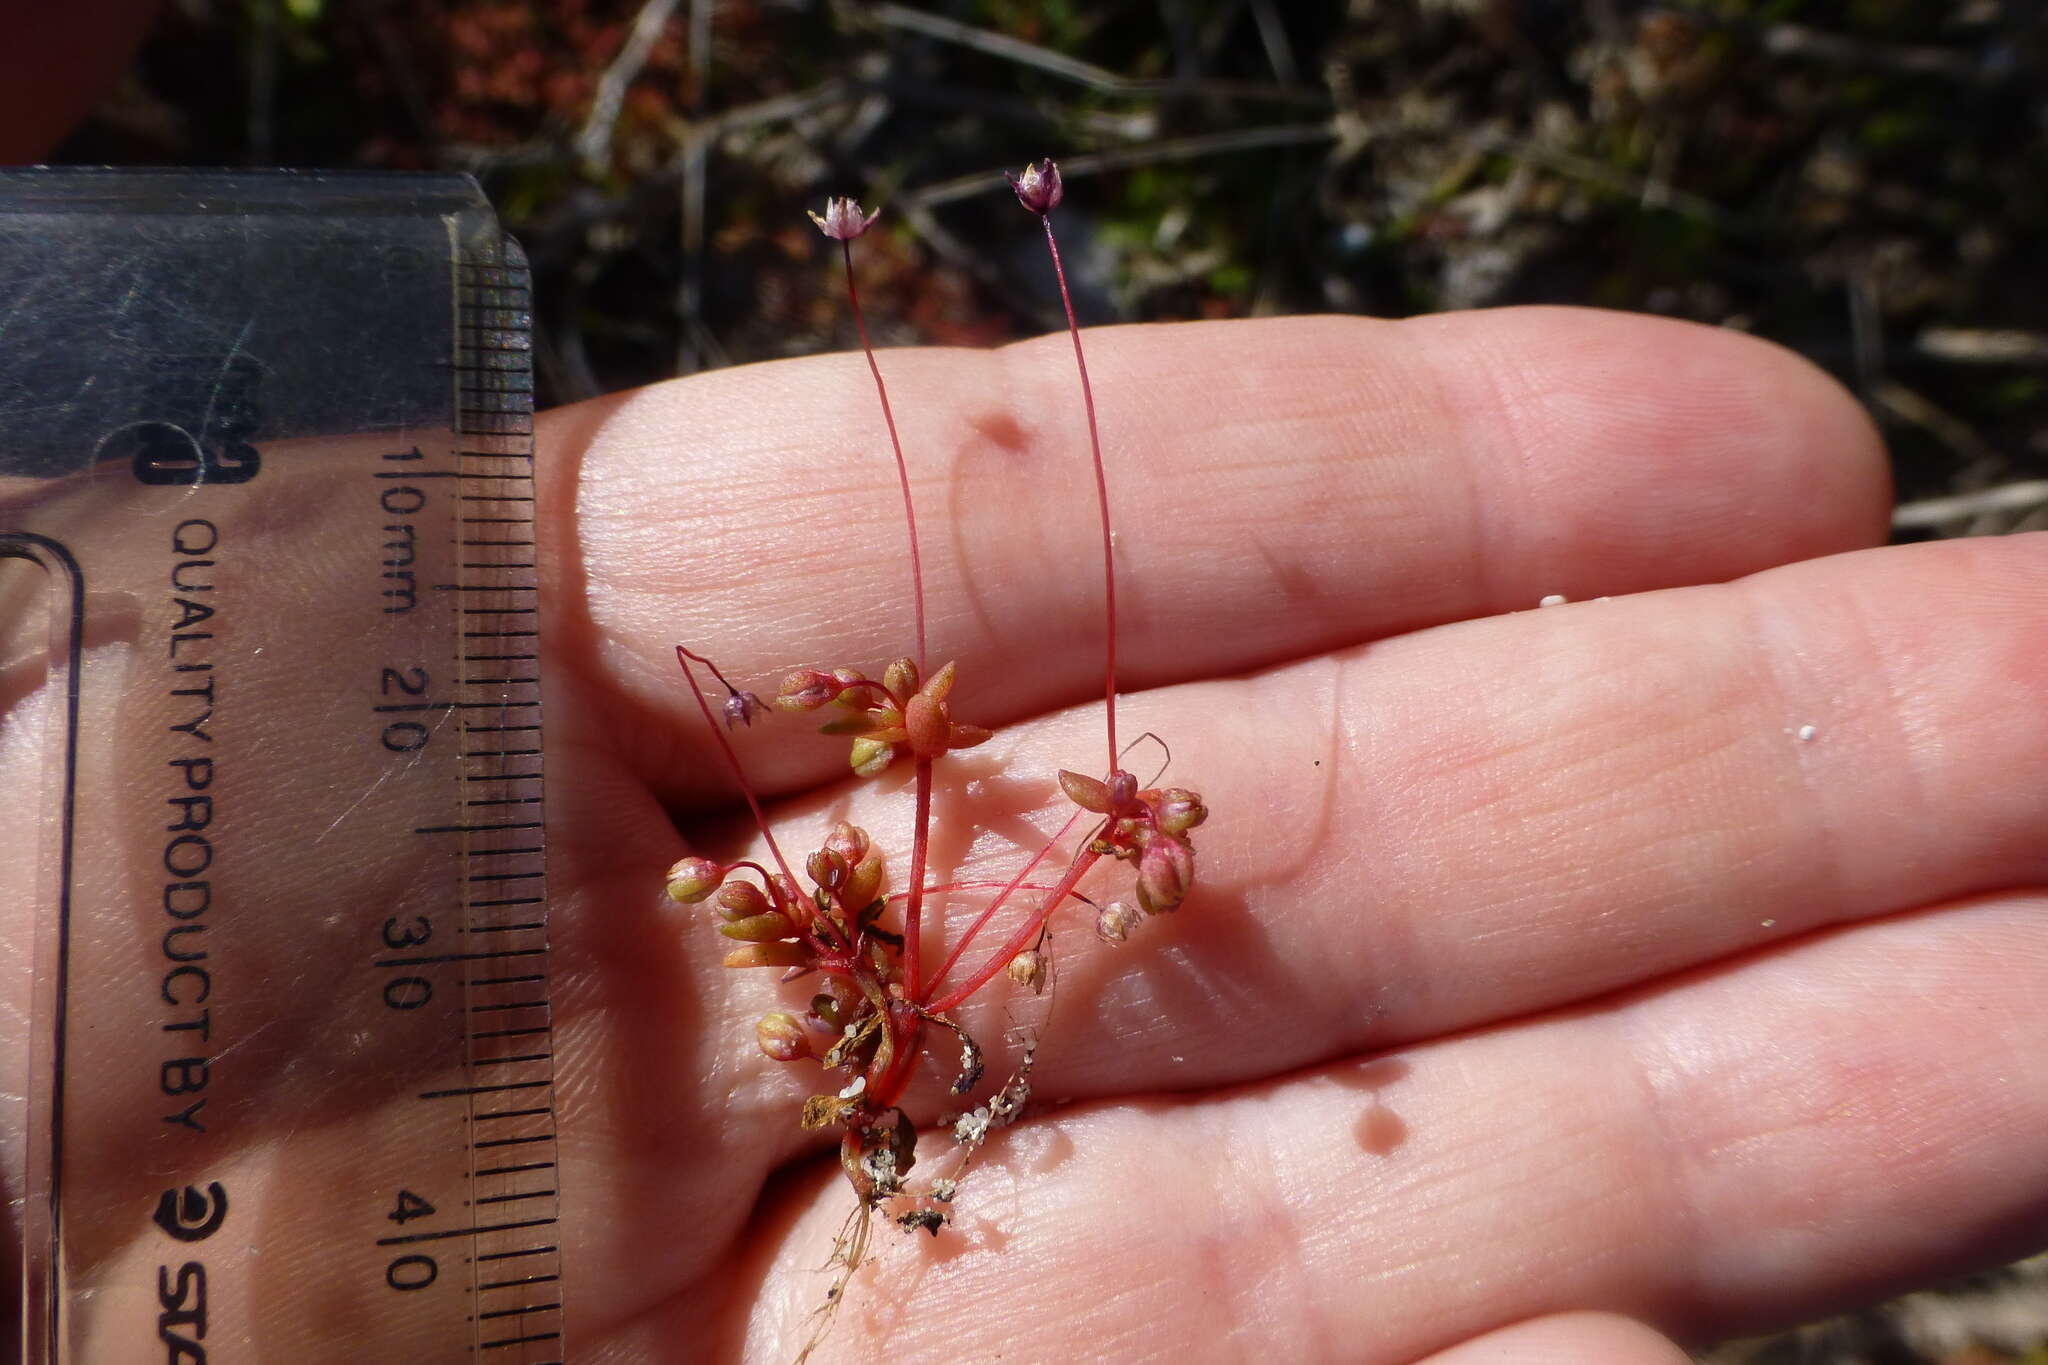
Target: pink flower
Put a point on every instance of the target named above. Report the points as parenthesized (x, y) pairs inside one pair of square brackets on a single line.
[(692, 879), (741, 708), (806, 690), (1038, 186), (842, 221), (1166, 870)]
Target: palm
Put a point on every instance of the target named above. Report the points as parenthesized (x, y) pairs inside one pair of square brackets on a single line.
[(1536, 964)]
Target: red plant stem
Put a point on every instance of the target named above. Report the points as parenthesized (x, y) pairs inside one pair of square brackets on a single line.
[(972, 886), (888, 1056), (1029, 930), (883, 1091), (683, 657), (902, 469), (833, 938), (913, 906), (1009, 888), (1101, 489), (818, 943), (913, 910)]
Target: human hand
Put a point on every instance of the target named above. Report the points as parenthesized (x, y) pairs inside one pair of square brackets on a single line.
[(1538, 963)]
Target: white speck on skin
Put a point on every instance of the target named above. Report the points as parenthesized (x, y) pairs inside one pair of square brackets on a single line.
[(1556, 599), (1806, 733), (1770, 924), (972, 1127)]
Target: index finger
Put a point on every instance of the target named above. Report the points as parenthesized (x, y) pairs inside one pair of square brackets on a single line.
[(1280, 488)]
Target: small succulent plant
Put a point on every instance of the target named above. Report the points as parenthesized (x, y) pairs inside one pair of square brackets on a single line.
[(874, 1011)]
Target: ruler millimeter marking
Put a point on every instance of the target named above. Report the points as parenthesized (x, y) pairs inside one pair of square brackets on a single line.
[(291, 1080)]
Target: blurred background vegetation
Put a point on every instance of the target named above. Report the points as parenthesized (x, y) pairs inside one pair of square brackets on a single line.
[(1865, 181)]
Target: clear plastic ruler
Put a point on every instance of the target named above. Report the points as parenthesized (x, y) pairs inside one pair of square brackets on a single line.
[(270, 660)]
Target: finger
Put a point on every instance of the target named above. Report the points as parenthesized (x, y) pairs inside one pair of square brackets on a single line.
[(1819, 1124), (1514, 814), (1567, 1339), (1281, 487)]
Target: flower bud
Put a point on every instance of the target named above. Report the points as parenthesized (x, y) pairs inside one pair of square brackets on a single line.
[(1165, 872), (940, 685), (901, 677), (1085, 791), (782, 1036), (864, 883), (768, 955), (760, 928), (1179, 810), (1028, 969), (741, 900), (1115, 921), (842, 220), (1123, 789), (827, 869), (692, 879), (870, 756), (805, 690), (1038, 186), (927, 725), (783, 892), (967, 736), (850, 842)]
